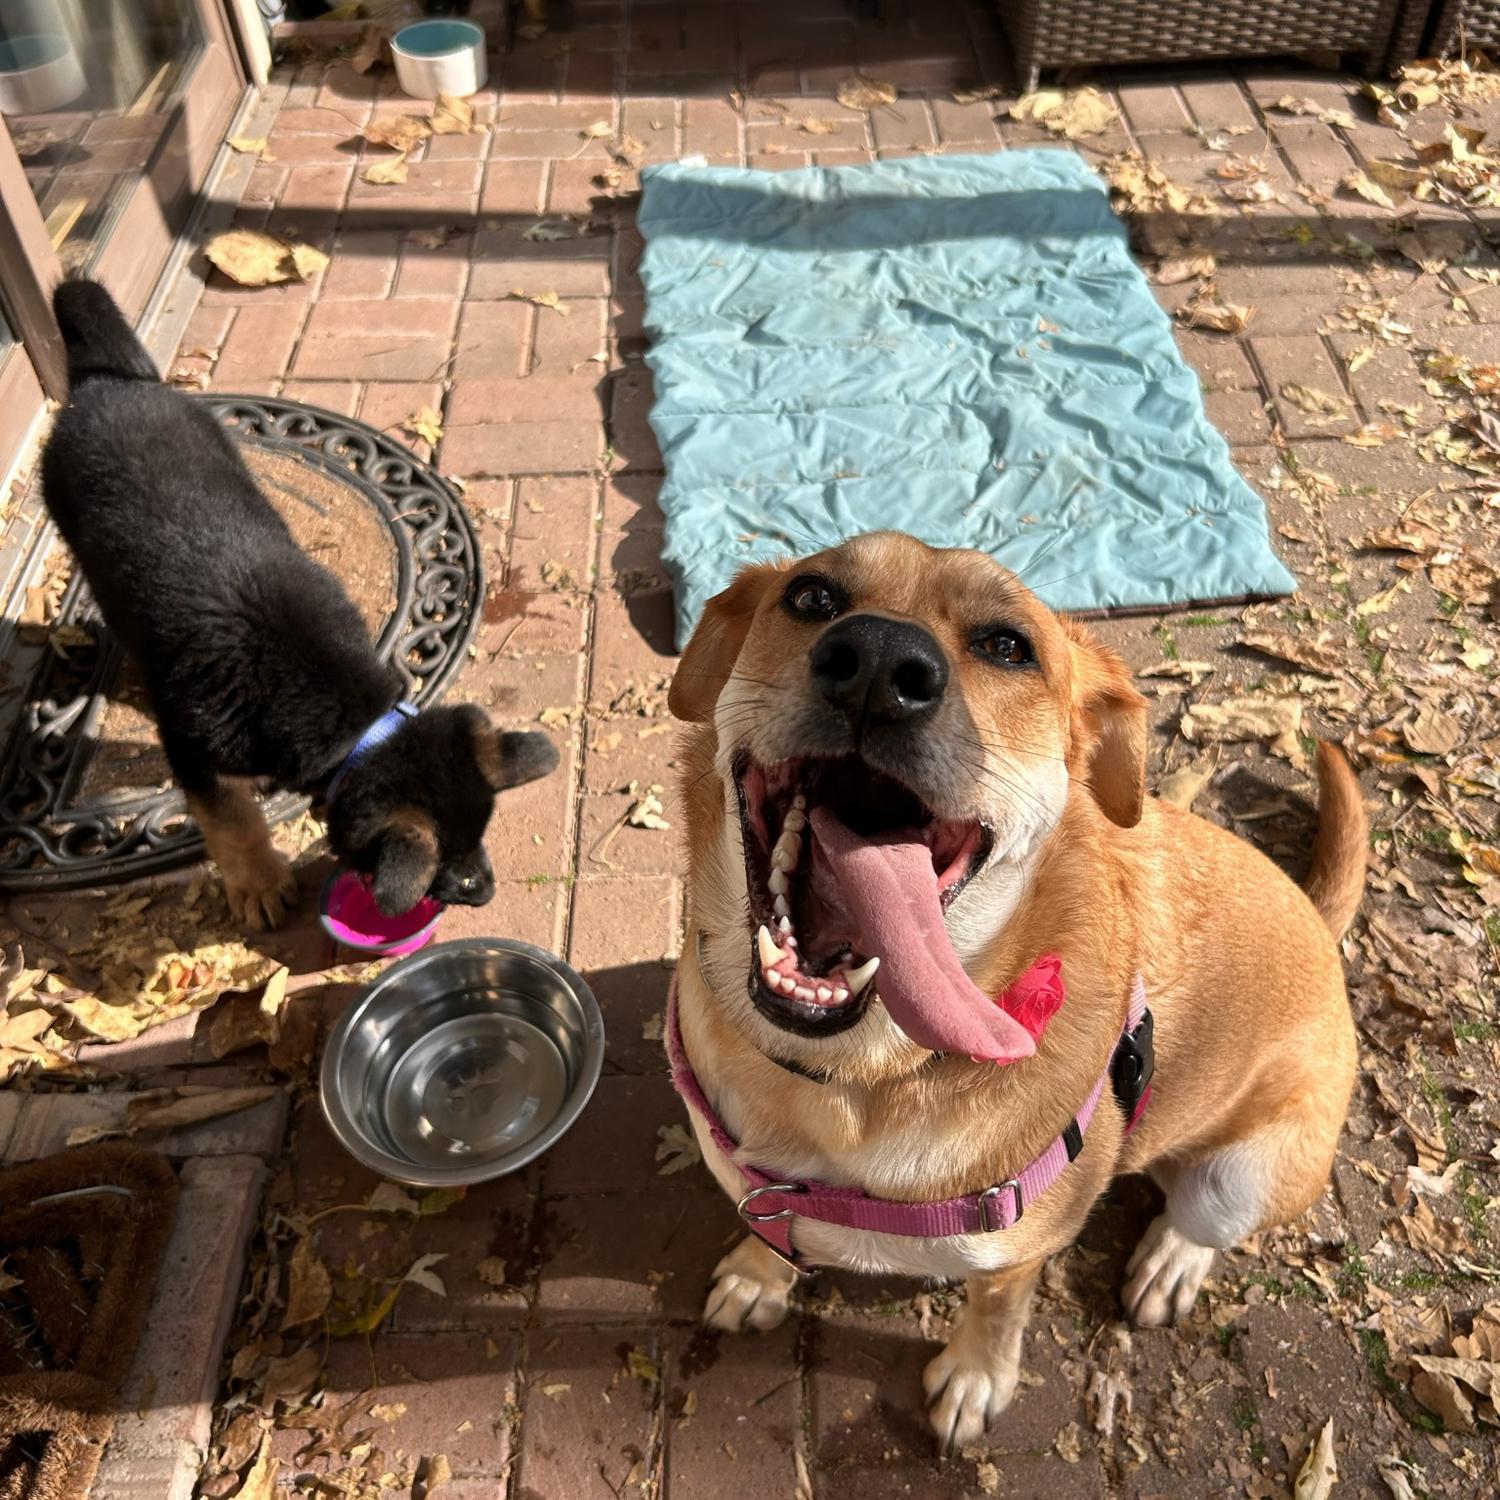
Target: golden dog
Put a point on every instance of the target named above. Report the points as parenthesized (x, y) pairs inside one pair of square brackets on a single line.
[(907, 784)]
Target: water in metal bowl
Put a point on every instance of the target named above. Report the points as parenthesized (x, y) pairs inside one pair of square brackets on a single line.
[(462, 1062)]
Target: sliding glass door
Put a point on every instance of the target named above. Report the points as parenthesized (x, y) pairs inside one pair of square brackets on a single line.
[(111, 113)]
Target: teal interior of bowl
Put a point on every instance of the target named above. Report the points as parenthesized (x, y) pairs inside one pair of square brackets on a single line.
[(22, 52), (437, 38)]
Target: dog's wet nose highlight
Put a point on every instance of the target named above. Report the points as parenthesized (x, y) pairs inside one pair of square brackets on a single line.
[(880, 670)]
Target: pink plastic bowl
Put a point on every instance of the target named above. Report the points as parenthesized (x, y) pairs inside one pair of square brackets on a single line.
[(351, 917)]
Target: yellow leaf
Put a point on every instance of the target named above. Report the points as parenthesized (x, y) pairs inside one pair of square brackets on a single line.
[(862, 93), (1377, 604), (253, 258), (431, 1472), (1318, 1474), (260, 1482), (1072, 114), (1368, 189), (491, 1271), (543, 299), (642, 1366), (452, 115), (386, 173), (425, 423), (250, 145), (403, 133)]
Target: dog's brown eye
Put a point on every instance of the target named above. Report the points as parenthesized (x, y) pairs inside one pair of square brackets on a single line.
[(1008, 647), (813, 598)]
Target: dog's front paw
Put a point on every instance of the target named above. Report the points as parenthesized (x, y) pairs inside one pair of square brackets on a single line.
[(1164, 1276), (968, 1385), (752, 1289), (261, 891)]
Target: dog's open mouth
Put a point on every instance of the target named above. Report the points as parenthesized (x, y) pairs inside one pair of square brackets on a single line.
[(827, 843)]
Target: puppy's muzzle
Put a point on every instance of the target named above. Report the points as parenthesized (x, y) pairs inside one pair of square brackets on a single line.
[(878, 671)]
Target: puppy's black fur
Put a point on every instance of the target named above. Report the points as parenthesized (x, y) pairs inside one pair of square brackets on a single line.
[(255, 661)]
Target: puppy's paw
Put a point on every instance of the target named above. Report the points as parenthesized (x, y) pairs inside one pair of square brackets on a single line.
[(968, 1385), (1164, 1276), (752, 1289), (261, 891)]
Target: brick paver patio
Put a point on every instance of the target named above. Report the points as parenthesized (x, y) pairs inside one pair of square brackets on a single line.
[(564, 1360)]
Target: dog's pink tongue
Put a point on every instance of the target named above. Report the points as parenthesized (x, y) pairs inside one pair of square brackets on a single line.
[(889, 890)]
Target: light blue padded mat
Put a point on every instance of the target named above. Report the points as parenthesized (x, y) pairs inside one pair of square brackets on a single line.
[(956, 346)]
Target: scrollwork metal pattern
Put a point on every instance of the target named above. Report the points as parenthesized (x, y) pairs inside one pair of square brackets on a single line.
[(51, 841)]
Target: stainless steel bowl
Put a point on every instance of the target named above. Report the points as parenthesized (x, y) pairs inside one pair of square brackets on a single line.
[(462, 1062)]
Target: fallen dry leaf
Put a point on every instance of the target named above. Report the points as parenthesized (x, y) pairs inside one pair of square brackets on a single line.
[(1377, 604), (1179, 268), (291, 1377), (250, 145), (253, 258), (1073, 114), (309, 1286), (1432, 732), (545, 231), (863, 93), (431, 1473), (1235, 720), (543, 299), (401, 133), (422, 1274), (491, 1271), (452, 115), (1315, 655), (677, 1148), (386, 173), (168, 1109), (646, 810), (1222, 317), (1318, 404), (388, 1198), (1181, 787), (1318, 1474), (387, 1412), (260, 1481), (425, 423), (641, 1365), (1469, 579), (1367, 188)]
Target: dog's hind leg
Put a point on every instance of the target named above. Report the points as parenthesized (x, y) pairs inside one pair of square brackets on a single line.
[(973, 1380), (752, 1288), (1217, 1199), (258, 881)]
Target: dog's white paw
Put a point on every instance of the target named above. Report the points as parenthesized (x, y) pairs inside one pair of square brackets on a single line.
[(752, 1289), (261, 891), (968, 1385), (1164, 1276)]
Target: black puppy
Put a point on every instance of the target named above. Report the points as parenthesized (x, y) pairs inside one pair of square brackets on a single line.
[(256, 663)]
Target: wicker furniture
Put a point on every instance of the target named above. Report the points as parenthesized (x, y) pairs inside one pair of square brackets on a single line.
[(1470, 23), (1061, 33)]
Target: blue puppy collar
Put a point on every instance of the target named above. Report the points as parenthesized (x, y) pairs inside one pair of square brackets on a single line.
[(375, 736)]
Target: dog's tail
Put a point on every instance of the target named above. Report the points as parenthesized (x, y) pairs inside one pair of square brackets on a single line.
[(1336, 880), (98, 339)]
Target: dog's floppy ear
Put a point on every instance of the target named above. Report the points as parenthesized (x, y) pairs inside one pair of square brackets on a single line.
[(507, 757), (710, 655), (407, 860), (1108, 746)]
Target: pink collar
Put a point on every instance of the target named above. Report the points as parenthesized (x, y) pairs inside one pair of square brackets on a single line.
[(987, 1211)]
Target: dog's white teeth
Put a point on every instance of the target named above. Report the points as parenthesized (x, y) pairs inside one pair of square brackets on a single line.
[(778, 883), (794, 821), (799, 803), (786, 983), (802, 992), (783, 911), (784, 922), (860, 977), (825, 993), (790, 941), (788, 848), (770, 954), (840, 994)]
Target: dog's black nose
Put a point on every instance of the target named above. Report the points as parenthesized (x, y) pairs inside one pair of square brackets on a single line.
[(879, 671)]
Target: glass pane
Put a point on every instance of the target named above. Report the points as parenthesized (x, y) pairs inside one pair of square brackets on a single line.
[(87, 89)]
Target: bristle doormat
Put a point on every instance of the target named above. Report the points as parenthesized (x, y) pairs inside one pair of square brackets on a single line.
[(960, 347), (85, 795), (82, 1237)]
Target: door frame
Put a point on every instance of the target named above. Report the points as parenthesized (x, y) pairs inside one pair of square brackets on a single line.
[(146, 220)]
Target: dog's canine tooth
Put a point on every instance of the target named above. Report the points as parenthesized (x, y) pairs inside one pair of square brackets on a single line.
[(770, 954), (784, 922), (778, 883), (858, 978), (783, 911)]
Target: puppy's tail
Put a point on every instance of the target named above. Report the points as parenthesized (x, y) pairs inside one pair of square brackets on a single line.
[(98, 339), (1336, 881)]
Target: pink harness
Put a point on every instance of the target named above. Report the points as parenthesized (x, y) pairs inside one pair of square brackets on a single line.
[(985, 1212)]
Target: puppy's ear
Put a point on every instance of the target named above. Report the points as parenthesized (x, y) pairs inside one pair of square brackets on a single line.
[(407, 861), (710, 655), (509, 758), (1108, 747)]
